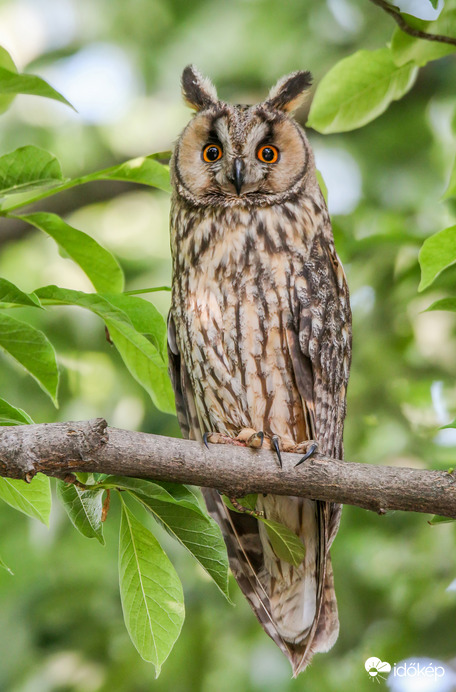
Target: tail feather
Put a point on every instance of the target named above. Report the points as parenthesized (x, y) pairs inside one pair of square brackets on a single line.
[(296, 606)]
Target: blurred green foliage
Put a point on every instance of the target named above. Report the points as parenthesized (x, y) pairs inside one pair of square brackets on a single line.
[(119, 64)]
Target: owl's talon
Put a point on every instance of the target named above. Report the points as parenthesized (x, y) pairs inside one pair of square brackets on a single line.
[(256, 440), (205, 439), (276, 444), (308, 454)]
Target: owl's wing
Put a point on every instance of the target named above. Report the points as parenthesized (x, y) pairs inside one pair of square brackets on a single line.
[(319, 344), (185, 405)]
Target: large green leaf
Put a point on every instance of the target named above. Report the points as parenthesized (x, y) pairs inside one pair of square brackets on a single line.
[(184, 520), (286, 544), (152, 489), (31, 348), (28, 168), (7, 62), (406, 48), (437, 253), (145, 318), (145, 170), (98, 263), (84, 508), (145, 364), (358, 89), (33, 499), (11, 294), (10, 415), (13, 83), (141, 357), (98, 304), (150, 590)]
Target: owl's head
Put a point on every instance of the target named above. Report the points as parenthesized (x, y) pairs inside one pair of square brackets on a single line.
[(235, 155)]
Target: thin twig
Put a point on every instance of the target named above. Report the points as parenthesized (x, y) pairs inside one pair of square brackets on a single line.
[(416, 33)]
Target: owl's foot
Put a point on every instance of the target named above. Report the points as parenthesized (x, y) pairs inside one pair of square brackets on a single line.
[(308, 448), (248, 437)]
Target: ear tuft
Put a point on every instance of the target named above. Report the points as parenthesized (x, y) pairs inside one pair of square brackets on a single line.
[(198, 91), (289, 92)]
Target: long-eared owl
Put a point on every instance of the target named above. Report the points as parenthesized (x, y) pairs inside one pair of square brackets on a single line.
[(260, 335)]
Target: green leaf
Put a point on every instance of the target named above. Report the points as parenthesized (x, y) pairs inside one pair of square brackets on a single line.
[(84, 508), (406, 48), (31, 348), (436, 519), (144, 363), (145, 170), (286, 544), (322, 184), (10, 415), (437, 253), (248, 501), (145, 318), (13, 83), (28, 168), (137, 291), (443, 304), (185, 521), (54, 295), (141, 357), (451, 189), (98, 263), (181, 493), (33, 499), (7, 62), (357, 90), (3, 565), (145, 489), (150, 590), (9, 293)]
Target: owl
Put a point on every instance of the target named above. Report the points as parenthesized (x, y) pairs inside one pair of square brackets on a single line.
[(259, 336)]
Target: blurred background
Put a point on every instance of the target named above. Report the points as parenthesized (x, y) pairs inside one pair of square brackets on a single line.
[(119, 63)]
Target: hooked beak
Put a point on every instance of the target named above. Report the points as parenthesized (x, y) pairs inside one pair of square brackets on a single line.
[(238, 175)]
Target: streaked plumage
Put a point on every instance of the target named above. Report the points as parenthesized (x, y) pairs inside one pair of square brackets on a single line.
[(260, 335)]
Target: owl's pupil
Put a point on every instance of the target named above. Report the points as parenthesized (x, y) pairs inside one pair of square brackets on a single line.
[(267, 154), (212, 153)]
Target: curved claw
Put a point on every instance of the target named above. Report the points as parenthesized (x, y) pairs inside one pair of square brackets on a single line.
[(205, 438), (275, 444), (308, 454), (256, 440)]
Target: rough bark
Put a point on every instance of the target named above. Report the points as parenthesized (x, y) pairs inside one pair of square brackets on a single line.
[(60, 449)]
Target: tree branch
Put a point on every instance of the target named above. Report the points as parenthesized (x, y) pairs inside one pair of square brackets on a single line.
[(416, 33), (61, 449)]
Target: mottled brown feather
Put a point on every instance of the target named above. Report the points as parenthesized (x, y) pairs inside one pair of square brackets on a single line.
[(260, 338)]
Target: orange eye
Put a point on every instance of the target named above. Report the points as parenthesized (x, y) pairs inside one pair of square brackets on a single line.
[(212, 152), (268, 154)]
